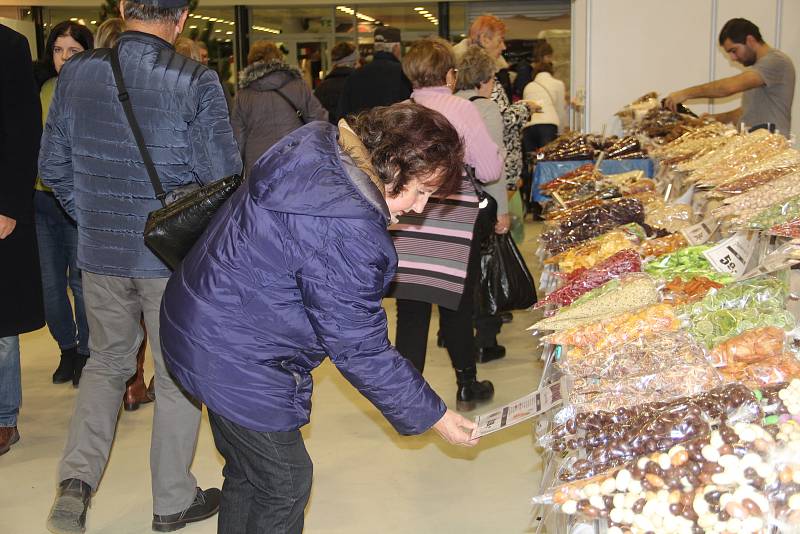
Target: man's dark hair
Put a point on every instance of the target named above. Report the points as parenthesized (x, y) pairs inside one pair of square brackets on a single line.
[(82, 35), (407, 141), (151, 13), (737, 31)]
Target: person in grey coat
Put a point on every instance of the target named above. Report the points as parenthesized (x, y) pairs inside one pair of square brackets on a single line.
[(90, 159), (475, 82), (273, 100)]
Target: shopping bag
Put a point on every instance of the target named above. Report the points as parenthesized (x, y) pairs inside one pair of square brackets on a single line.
[(505, 283)]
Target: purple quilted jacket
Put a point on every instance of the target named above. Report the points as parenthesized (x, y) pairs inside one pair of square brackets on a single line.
[(293, 268)]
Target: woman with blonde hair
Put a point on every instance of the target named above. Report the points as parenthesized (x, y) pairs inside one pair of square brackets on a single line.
[(187, 47), (438, 248), (273, 100), (108, 32)]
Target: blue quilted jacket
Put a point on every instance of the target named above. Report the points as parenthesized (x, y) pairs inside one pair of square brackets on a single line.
[(90, 159), (292, 269)]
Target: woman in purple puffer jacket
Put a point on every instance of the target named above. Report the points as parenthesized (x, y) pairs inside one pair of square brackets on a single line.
[(291, 270)]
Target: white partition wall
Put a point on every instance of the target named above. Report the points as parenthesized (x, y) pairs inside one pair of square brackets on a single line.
[(635, 46)]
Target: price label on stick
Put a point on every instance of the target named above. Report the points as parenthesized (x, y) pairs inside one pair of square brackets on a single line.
[(697, 234), (732, 255)]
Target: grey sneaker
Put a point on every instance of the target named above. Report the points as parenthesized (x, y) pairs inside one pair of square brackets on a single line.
[(206, 504), (68, 515)]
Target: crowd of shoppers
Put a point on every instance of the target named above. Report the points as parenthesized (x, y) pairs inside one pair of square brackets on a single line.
[(369, 187)]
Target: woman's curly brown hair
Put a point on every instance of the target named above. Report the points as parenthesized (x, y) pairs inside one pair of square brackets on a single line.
[(407, 141)]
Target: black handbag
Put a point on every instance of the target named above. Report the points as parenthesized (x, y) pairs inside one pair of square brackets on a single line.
[(171, 231), (505, 282)]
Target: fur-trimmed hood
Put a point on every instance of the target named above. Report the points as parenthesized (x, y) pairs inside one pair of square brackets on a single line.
[(267, 75)]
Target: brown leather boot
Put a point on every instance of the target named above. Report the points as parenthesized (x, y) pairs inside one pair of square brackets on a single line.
[(8, 437), (136, 392)]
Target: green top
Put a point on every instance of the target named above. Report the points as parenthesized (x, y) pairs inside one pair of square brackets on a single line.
[(46, 97)]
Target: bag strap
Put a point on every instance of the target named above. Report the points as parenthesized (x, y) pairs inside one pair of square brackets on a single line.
[(477, 97), (124, 98), (296, 109), (549, 96)]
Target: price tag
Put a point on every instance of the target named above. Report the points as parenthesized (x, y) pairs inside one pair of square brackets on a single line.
[(783, 258), (522, 409), (697, 234), (732, 255)]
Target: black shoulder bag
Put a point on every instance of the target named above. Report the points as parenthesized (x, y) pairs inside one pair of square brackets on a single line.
[(297, 110), (171, 231)]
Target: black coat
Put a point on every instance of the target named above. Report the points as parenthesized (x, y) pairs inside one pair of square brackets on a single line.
[(330, 89), (379, 83), (21, 307)]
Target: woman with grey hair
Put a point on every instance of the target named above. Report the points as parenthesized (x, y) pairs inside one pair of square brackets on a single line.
[(476, 82)]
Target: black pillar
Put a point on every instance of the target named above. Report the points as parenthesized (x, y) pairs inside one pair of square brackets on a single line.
[(444, 20), (37, 16), (241, 42)]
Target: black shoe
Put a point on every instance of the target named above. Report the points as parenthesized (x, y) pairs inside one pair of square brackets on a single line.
[(68, 515), (66, 367), (80, 361), (470, 391), (206, 504), (487, 354), (506, 317)]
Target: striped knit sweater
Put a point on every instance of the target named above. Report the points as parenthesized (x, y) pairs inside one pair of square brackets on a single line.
[(433, 246)]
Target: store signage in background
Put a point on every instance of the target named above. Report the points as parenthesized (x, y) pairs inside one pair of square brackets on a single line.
[(783, 258), (699, 233), (733, 254), (522, 409)]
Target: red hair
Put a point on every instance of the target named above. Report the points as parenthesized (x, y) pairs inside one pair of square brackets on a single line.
[(487, 25)]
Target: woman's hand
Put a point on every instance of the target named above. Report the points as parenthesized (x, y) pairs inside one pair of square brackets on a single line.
[(503, 224), (455, 429), (534, 107)]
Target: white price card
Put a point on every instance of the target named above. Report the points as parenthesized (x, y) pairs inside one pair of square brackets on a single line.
[(732, 255), (522, 409), (783, 258), (697, 234)]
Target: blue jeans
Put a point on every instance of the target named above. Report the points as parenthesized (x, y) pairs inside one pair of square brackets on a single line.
[(10, 381), (267, 479), (57, 235)]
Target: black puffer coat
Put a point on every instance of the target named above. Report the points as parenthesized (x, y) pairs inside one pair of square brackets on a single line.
[(261, 116), (330, 89)]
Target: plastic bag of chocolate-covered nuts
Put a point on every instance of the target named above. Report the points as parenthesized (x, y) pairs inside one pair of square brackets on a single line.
[(601, 441), (784, 492)]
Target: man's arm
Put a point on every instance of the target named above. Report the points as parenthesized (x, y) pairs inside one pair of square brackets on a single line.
[(21, 116), (732, 85), (731, 117), (219, 153)]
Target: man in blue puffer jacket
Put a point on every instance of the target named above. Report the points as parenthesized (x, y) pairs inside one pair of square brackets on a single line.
[(291, 270), (91, 161)]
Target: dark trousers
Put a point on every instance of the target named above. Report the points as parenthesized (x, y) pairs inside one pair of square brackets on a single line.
[(533, 138), (267, 479), (455, 326), (57, 237)]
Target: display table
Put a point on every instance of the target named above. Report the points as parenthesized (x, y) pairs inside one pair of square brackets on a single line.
[(546, 171)]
